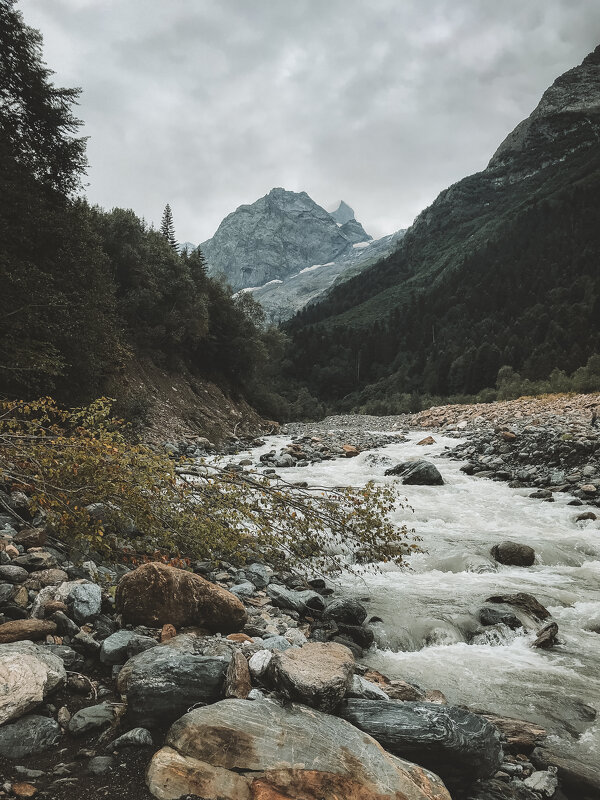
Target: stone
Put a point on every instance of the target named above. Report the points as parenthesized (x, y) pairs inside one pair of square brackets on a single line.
[(85, 600), (546, 636), (524, 601), (168, 632), (29, 735), (350, 451), (22, 789), (13, 574), (35, 561), (31, 537), (519, 736), (114, 647), (427, 440), (91, 718), (99, 765), (276, 643), (544, 782), (236, 750), (417, 473), (136, 737), (361, 687), (259, 663), (346, 610), (28, 673), (155, 594), (587, 515), (462, 745), (259, 575), (318, 674), (303, 602), (137, 644), (70, 658), (64, 624), (243, 590), (577, 779), (237, 678), (26, 629), (495, 616), (513, 554), (240, 638), (162, 683)]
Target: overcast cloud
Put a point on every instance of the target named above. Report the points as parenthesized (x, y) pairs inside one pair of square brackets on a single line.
[(208, 104)]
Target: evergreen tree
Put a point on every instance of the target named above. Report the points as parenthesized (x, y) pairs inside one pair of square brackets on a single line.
[(167, 228)]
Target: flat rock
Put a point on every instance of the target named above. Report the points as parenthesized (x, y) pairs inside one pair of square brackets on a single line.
[(155, 594), (162, 683), (417, 473), (28, 673), (524, 601), (26, 629), (136, 737), (462, 745), (91, 718), (29, 735), (239, 750), (302, 602), (318, 674)]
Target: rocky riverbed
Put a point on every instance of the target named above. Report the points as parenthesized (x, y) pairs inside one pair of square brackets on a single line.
[(469, 670)]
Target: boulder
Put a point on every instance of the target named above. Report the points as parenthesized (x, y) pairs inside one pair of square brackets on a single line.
[(513, 554), (91, 718), (346, 610), (31, 537), (463, 746), (10, 573), (303, 602), (417, 473), (83, 598), (525, 602), (578, 779), (26, 629), (317, 674), (236, 750), (546, 636), (495, 616), (35, 561), (155, 594), (136, 737), (259, 575), (114, 647), (28, 673), (163, 682), (28, 736)]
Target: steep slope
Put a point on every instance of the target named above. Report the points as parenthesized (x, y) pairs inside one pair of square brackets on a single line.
[(275, 237), (500, 269), (281, 299)]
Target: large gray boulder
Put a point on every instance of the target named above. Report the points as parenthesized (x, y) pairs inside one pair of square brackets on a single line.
[(513, 554), (237, 750), (28, 736), (318, 674), (162, 683), (462, 746), (28, 673), (417, 473)]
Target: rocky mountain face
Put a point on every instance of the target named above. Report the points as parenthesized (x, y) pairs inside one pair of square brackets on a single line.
[(277, 236), (281, 299), (501, 269)]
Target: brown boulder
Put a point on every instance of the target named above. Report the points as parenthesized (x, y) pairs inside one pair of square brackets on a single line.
[(156, 594), (317, 674), (21, 629), (31, 537), (427, 440)]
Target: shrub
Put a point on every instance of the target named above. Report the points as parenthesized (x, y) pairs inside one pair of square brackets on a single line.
[(95, 487)]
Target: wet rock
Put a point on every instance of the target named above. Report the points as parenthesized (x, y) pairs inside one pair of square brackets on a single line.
[(236, 750), (587, 515), (513, 554), (303, 602), (346, 610), (136, 737), (26, 629), (462, 745), (520, 736), (28, 673), (28, 736), (495, 616), (577, 779), (524, 601), (417, 473), (362, 688), (155, 594), (318, 675), (162, 683), (546, 636), (91, 718)]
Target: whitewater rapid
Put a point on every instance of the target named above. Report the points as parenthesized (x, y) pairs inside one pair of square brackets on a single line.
[(429, 609)]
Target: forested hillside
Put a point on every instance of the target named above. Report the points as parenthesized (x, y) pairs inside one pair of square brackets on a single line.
[(502, 270), (86, 292)]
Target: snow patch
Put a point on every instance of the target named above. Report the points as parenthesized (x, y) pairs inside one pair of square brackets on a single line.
[(315, 266), (361, 245)]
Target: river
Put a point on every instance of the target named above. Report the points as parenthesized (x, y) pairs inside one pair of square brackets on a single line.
[(429, 609)]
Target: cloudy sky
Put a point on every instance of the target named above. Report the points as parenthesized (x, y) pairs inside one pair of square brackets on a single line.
[(208, 104)]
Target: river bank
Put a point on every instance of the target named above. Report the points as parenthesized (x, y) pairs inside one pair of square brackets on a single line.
[(443, 636)]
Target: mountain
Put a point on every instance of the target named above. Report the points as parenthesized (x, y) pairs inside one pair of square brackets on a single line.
[(276, 237), (502, 269), (281, 299)]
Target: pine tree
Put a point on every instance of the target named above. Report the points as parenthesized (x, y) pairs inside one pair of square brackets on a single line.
[(167, 228)]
